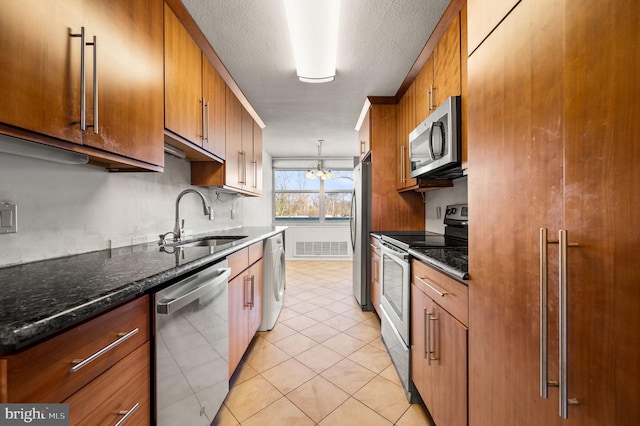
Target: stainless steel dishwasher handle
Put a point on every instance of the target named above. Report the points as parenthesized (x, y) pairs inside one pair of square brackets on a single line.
[(79, 363), (175, 304)]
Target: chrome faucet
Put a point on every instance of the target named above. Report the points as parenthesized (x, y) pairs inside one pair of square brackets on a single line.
[(178, 229)]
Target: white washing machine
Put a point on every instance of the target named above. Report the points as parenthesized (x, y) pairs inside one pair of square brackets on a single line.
[(273, 281)]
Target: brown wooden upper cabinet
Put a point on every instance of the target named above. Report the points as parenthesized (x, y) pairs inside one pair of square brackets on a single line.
[(47, 100), (194, 96), (364, 138), (440, 76), (487, 14), (390, 209), (242, 169), (406, 123)]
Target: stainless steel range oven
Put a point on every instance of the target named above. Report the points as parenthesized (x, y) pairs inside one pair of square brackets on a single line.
[(394, 309), (395, 284)]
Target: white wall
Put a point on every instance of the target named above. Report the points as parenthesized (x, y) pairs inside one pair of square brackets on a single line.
[(66, 209), (441, 198)]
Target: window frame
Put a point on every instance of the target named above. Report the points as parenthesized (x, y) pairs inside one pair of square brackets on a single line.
[(321, 191)]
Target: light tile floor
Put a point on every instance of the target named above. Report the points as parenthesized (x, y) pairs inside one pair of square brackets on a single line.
[(323, 363)]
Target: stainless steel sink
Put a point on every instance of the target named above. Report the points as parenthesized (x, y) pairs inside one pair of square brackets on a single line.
[(208, 241)]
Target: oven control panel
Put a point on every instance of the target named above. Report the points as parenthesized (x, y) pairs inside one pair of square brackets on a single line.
[(456, 214)]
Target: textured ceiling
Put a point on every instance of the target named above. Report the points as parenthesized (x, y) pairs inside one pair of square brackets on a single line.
[(378, 43)]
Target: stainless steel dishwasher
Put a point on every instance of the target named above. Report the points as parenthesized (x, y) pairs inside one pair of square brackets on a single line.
[(191, 348)]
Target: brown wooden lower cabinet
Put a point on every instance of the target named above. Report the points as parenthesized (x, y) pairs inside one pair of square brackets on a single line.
[(439, 348), (99, 390), (42, 372), (122, 391), (245, 301)]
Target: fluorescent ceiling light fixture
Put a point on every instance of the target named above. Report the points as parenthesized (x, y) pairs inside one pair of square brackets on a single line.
[(313, 27), (23, 148)]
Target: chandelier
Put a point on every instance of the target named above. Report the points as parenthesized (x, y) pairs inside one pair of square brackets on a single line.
[(319, 171)]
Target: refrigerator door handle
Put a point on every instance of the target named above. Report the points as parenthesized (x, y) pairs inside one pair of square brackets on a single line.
[(352, 220)]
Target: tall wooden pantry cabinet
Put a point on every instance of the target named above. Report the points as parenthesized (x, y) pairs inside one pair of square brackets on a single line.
[(554, 143)]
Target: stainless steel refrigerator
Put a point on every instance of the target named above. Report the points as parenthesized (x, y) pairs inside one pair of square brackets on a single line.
[(360, 222)]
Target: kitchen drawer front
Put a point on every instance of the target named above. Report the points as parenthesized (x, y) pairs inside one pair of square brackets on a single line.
[(42, 373), (238, 262), (435, 285), (107, 399), (256, 251)]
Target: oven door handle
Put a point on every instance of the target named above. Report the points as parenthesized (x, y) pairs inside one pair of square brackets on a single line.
[(392, 251)]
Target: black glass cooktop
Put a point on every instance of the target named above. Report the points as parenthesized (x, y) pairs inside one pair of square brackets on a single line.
[(445, 252), (421, 239)]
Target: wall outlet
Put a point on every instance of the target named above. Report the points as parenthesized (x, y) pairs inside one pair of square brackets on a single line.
[(233, 213), (8, 218)]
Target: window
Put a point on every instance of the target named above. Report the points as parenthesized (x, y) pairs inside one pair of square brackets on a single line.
[(300, 198)]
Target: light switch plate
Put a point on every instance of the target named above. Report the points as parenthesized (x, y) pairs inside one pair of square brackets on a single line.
[(8, 218)]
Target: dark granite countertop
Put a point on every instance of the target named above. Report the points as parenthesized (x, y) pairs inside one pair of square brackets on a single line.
[(41, 298), (452, 261)]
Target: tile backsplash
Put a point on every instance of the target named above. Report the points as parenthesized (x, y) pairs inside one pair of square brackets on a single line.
[(65, 210)]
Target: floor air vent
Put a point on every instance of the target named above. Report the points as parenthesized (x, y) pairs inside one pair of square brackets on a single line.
[(322, 249)]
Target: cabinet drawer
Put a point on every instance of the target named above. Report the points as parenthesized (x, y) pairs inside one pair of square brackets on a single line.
[(242, 259), (107, 399), (238, 262), (446, 292), (256, 252), (43, 373)]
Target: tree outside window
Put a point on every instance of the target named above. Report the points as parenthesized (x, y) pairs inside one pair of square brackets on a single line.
[(300, 198)]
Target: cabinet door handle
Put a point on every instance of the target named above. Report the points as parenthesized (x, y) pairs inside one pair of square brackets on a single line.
[(427, 335), (432, 105), (440, 293), (79, 363), (83, 82), (252, 297), (240, 167), (244, 166), (565, 401), (434, 336), (95, 84), (429, 350), (544, 361), (204, 119), (255, 174), (126, 414), (253, 291), (208, 127), (402, 165)]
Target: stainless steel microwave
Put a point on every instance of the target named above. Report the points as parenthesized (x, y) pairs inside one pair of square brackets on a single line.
[(435, 147)]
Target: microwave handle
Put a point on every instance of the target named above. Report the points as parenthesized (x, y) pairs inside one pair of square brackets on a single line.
[(434, 124)]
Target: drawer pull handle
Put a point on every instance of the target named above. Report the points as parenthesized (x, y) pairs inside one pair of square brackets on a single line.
[(79, 363), (127, 414), (440, 293)]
